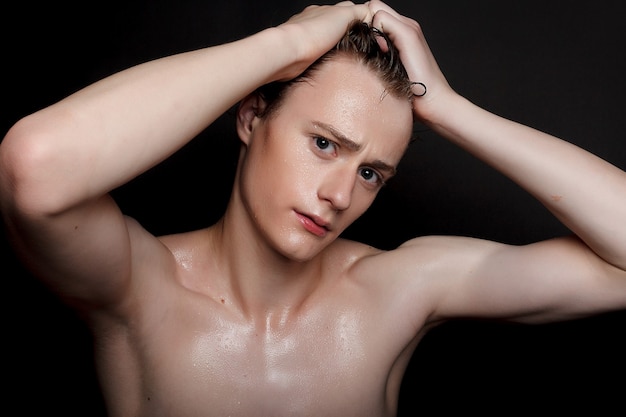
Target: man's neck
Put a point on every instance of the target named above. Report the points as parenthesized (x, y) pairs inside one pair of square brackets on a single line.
[(262, 281)]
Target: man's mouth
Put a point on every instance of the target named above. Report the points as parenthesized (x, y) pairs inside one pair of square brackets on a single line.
[(313, 224)]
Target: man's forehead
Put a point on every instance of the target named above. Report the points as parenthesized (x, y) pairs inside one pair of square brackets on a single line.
[(350, 101)]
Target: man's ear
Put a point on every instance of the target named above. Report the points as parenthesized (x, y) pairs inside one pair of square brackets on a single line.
[(248, 114)]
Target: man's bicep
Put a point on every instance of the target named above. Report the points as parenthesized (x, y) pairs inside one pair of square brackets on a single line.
[(552, 280), (82, 254)]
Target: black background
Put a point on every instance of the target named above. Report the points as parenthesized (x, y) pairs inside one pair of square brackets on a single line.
[(556, 65)]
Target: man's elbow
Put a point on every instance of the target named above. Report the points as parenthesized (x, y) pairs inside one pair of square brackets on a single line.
[(27, 172)]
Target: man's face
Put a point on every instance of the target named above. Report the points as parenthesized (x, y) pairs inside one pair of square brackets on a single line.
[(316, 165)]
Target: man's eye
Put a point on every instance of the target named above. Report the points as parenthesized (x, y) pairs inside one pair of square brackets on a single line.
[(325, 145), (371, 176)]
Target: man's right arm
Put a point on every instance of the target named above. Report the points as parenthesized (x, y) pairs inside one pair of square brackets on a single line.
[(58, 165)]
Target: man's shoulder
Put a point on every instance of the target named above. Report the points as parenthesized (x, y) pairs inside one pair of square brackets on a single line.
[(362, 251), (418, 254), (350, 251)]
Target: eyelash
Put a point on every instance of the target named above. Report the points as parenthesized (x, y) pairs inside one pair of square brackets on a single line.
[(379, 180)]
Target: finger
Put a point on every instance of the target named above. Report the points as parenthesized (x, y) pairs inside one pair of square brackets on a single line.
[(364, 13), (377, 5), (406, 35), (381, 40), (396, 28)]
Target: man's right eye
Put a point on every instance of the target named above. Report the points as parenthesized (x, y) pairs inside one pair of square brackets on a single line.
[(325, 145)]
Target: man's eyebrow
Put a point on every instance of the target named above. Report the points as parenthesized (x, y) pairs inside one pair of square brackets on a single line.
[(383, 166), (340, 137), (353, 146)]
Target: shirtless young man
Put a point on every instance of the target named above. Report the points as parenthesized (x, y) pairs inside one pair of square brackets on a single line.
[(269, 312)]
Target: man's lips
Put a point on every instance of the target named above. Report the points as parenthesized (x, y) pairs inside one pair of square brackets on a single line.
[(313, 224)]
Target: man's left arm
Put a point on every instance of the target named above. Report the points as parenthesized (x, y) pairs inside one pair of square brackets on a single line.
[(560, 277), (586, 193)]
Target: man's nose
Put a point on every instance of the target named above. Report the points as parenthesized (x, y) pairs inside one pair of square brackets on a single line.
[(337, 188)]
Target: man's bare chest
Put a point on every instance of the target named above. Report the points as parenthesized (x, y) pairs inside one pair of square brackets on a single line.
[(317, 364)]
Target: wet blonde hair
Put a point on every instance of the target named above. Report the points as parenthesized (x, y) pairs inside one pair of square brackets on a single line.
[(360, 43)]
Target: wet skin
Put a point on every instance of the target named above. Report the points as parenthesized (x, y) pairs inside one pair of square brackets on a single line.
[(268, 312)]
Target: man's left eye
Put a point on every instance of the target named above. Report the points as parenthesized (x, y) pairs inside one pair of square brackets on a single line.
[(367, 173), (371, 176)]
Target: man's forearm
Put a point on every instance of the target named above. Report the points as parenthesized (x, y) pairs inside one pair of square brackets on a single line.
[(585, 192)]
